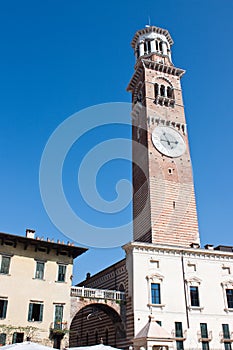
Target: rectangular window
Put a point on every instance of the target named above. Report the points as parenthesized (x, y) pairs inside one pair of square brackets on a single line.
[(58, 317), (61, 273), (179, 345), (155, 293), (35, 312), (17, 337), (229, 293), (178, 330), (227, 346), (39, 270), (3, 308), (4, 264), (194, 296), (204, 331), (205, 345), (2, 339), (226, 331)]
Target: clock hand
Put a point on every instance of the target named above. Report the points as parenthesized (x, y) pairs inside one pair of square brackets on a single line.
[(168, 142)]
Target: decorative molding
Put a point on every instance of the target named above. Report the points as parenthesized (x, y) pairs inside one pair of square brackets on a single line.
[(155, 276), (193, 280)]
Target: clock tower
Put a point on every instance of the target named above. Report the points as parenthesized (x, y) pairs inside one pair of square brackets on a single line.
[(164, 207)]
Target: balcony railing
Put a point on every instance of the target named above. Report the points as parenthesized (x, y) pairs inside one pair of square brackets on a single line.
[(91, 293), (58, 327), (205, 337), (226, 338), (182, 336)]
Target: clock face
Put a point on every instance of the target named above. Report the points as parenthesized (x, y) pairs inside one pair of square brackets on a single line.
[(168, 141)]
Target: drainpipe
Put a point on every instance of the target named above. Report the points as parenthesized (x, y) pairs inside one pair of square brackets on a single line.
[(185, 291)]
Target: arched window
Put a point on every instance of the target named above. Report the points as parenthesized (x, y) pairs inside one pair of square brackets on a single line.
[(161, 46), (121, 287), (147, 46), (156, 45), (162, 90), (170, 92), (156, 90)]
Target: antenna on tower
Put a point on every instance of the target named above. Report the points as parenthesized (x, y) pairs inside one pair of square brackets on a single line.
[(148, 25)]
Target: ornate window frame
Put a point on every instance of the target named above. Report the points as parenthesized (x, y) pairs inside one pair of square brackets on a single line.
[(227, 284), (155, 278), (195, 282)]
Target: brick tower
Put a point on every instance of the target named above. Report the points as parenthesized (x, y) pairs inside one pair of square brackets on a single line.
[(164, 208)]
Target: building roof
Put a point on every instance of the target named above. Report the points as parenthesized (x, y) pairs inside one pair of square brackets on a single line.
[(42, 245), (150, 29)]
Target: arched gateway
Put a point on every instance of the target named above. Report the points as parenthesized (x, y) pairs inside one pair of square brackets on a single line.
[(95, 322)]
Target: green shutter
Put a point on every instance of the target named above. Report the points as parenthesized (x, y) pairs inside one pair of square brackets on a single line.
[(14, 338), (30, 312), (58, 316), (5, 264), (4, 308), (61, 273), (2, 339), (41, 312)]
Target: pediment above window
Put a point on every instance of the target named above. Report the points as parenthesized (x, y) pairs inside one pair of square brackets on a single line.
[(155, 277), (193, 280), (227, 283)]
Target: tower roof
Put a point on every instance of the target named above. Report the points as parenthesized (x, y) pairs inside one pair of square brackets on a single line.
[(152, 330), (150, 29)]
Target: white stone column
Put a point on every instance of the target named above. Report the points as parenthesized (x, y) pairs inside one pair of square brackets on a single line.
[(164, 48), (141, 48)]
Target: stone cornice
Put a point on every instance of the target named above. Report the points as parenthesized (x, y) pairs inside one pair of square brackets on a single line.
[(39, 244), (176, 250), (151, 29), (159, 67)]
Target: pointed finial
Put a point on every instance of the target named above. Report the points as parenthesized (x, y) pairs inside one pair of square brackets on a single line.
[(148, 25)]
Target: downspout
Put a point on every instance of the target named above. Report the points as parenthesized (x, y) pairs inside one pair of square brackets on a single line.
[(185, 291)]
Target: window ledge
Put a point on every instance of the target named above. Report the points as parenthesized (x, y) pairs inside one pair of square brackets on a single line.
[(228, 309), (200, 308), (157, 305), (61, 282), (5, 274), (38, 279), (35, 321)]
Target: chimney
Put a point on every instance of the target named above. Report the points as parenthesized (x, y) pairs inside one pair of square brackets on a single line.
[(88, 275), (30, 233), (195, 245), (209, 246)]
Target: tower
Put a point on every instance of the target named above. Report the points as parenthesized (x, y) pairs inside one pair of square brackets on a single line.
[(164, 207)]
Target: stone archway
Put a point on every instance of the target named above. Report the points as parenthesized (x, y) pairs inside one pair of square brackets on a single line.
[(94, 323)]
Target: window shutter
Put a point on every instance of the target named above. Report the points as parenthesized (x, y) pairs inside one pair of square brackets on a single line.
[(41, 312), (2, 339), (5, 264), (14, 339), (30, 312), (4, 309)]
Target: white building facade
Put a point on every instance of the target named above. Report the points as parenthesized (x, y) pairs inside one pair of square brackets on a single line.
[(187, 292)]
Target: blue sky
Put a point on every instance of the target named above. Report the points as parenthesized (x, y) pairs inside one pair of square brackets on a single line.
[(58, 57)]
